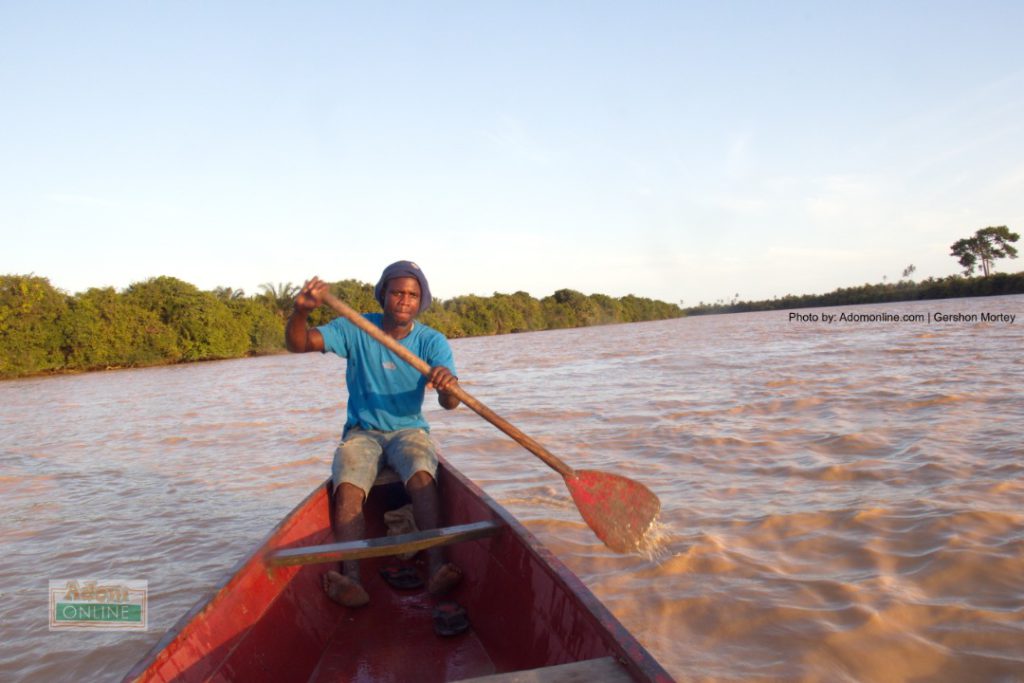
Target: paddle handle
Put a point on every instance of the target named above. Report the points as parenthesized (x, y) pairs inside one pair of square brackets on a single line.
[(527, 442)]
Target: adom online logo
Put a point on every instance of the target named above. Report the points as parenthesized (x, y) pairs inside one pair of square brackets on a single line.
[(99, 605)]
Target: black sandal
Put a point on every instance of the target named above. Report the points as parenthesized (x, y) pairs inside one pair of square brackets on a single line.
[(402, 578), (450, 619)]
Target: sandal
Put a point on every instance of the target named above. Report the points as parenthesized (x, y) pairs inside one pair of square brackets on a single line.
[(403, 578), (450, 619)]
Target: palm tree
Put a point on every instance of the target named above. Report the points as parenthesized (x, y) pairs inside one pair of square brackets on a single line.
[(280, 297), (228, 294)]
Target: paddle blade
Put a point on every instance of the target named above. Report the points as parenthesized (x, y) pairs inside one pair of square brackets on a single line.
[(619, 510)]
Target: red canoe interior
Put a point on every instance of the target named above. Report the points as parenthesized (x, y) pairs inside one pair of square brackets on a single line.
[(525, 608)]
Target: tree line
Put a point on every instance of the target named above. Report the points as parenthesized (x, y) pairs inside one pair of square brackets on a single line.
[(905, 290), (984, 247), (165, 320)]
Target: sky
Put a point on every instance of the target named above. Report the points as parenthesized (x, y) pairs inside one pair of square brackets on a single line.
[(683, 151)]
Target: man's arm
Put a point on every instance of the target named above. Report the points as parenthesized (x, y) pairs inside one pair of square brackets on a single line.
[(298, 336)]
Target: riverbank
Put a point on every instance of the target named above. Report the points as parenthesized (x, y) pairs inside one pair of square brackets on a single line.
[(165, 321), (952, 287)]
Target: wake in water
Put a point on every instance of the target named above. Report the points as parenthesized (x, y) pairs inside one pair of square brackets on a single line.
[(654, 544)]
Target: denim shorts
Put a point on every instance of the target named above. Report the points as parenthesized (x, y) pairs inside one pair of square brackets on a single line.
[(363, 453)]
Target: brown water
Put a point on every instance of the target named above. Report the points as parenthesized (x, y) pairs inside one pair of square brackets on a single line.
[(842, 502)]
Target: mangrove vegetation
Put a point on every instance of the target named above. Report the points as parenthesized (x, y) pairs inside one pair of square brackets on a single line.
[(165, 320)]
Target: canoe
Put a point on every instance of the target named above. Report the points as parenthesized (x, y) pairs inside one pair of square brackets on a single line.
[(531, 618)]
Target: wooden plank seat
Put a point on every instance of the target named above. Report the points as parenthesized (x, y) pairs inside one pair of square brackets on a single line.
[(386, 545), (387, 476), (588, 671)]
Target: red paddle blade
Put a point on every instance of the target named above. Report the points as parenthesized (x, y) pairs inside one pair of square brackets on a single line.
[(619, 510)]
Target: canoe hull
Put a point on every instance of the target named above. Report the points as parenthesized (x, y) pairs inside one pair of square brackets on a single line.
[(526, 608)]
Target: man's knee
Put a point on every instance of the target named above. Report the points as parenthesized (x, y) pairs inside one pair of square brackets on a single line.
[(349, 500), (419, 481)]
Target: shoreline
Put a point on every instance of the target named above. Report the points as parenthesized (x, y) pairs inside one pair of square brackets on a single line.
[(952, 287), (282, 351)]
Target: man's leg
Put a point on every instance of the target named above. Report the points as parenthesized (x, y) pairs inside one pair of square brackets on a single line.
[(410, 452), (355, 467), (349, 525), (426, 506)]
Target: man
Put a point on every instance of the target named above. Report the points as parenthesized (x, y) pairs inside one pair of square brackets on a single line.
[(385, 423)]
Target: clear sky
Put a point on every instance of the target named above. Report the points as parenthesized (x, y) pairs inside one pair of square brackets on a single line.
[(676, 150)]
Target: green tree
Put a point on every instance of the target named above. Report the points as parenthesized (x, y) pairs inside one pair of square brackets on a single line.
[(228, 293), (506, 314), (358, 295), (636, 308), (30, 335), (986, 245), (475, 315), (280, 297), (569, 308), (609, 310), (531, 309), (265, 327), (204, 325), (102, 329), (443, 320)]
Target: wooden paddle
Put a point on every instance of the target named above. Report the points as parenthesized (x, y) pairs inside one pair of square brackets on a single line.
[(618, 509)]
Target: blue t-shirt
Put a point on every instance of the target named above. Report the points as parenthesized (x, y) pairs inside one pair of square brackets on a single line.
[(385, 392)]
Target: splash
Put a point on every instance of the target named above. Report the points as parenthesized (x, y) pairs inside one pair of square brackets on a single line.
[(654, 545)]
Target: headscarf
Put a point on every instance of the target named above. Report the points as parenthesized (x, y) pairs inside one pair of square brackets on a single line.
[(403, 269)]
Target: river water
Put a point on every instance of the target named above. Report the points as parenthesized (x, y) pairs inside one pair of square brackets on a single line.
[(842, 501)]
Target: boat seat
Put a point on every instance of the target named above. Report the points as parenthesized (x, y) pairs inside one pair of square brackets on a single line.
[(587, 671), (384, 546), (387, 476)]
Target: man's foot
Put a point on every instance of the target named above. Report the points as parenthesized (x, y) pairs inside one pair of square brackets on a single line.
[(444, 579), (344, 590)]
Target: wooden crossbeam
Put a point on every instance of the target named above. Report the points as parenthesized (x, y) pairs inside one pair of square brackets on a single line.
[(386, 545)]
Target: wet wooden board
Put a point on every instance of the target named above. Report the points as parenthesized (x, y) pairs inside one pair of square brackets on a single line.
[(380, 547)]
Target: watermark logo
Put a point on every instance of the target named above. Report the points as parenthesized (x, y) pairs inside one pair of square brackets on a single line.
[(95, 605)]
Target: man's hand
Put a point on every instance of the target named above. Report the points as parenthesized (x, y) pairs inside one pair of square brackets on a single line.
[(311, 295), (442, 379), (297, 335)]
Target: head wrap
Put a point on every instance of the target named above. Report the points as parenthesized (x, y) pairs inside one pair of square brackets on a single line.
[(403, 269)]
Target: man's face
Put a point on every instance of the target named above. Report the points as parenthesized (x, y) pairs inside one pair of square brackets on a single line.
[(402, 299)]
